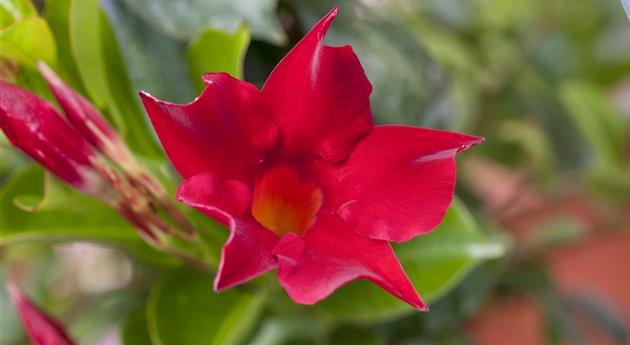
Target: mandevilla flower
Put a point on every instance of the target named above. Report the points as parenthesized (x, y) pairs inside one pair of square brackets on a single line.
[(41, 328), (303, 179)]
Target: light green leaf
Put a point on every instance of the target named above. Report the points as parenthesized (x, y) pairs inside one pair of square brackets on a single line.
[(61, 214), (28, 41), (87, 49), (183, 310), (135, 330), (435, 263), (57, 13), (104, 75), (218, 51), (13, 11), (186, 20)]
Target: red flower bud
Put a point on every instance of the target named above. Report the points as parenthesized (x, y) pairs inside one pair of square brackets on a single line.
[(85, 117), (40, 327), (34, 126)]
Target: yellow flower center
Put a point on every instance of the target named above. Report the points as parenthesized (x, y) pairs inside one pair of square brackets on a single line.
[(284, 202)]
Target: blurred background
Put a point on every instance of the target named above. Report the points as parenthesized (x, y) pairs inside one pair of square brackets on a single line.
[(536, 250)]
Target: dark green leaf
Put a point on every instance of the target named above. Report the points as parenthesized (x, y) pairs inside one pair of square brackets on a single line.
[(135, 331), (186, 20)]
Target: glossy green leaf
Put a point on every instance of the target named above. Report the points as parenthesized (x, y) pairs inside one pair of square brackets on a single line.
[(28, 41), (435, 263), (187, 20), (183, 310), (55, 213), (104, 75), (13, 11), (218, 51), (135, 331)]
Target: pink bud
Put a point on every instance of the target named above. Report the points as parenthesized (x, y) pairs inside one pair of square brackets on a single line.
[(34, 126), (40, 327), (81, 114)]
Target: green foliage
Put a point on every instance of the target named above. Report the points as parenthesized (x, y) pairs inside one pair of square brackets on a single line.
[(180, 21), (104, 75), (217, 51), (39, 208), (27, 41), (183, 310)]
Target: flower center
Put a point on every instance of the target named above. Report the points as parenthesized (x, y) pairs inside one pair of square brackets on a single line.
[(284, 202)]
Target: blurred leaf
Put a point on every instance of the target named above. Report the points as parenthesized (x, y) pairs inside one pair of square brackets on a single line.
[(184, 20), (603, 313), (64, 215), (354, 335), (104, 75), (217, 51), (435, 263), (156, 62), (183, 310), (57, 14), (134, 331), (13, 11), (27, 41), (289, 329), (100, 315), (9, 322), (597, 120)]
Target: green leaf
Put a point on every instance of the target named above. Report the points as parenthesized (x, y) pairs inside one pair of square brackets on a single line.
[(156, 62), (135, 330), (183, 310), (13, 11), (354, 335), (184, 21), (27, 41), (218, 51), (56, 213), (292, 329), (435, 263), (57, 14), (598, 122), (104, 76)]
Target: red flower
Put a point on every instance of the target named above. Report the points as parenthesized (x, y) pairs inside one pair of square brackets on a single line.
[(302, 178), (35, 127), (40, 327)]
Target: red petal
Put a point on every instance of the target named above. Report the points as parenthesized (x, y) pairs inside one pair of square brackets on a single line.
[(398, 181), (319, 97), (35, 127), (330, 255), (40, 327), (81, 113), (248, 252), (225, 130)]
